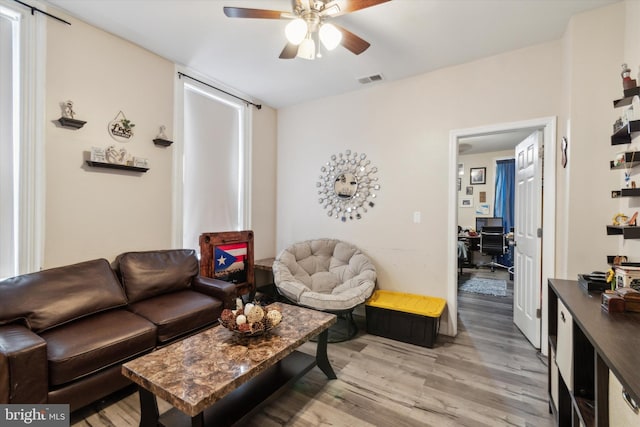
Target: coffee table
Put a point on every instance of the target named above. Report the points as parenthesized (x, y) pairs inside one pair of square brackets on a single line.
[(216, 377)]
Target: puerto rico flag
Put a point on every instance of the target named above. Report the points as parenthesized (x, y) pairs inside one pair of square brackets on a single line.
[(230, 258)]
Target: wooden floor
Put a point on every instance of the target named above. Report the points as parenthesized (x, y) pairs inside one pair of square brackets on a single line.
[(489, 375)]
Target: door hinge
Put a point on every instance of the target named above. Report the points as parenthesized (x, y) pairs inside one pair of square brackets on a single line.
[(538, 313), (540, 232)]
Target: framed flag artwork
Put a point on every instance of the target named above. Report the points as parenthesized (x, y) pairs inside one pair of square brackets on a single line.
[(228, 256)]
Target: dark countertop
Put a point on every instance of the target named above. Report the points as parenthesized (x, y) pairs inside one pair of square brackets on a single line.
[(615, 336)]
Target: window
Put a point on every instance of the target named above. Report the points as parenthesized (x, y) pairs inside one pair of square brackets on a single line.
[(20, 141), (8, 83), (214, 164)]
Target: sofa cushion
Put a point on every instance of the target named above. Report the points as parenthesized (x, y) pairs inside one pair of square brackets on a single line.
[(178, 313), (96, 342), (52, 297), (152, 273)]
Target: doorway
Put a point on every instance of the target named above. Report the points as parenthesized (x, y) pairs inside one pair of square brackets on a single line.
[(548, 127)]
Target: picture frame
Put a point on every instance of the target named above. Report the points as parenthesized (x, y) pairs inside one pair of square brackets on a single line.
[(469, 191), (228, 256), (478, 176), (466, 202)]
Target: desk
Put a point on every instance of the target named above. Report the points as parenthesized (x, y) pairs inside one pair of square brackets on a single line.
[(263, 272), (473, 245), (265, 264)]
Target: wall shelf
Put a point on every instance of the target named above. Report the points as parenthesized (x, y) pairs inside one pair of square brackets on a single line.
[(71, 123), (116, 166), (628, 232), (628, 97), (631, 160), (630, 192), (623, 135), (162, 142)]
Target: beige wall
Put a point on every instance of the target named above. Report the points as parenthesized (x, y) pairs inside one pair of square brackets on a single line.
[(404, 128), (631, 248), (263, 178), (467, 216), (93, 213), (595, 51)]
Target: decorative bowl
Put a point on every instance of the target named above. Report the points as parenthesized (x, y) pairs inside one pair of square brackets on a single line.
[(233, 328), (251, 320)]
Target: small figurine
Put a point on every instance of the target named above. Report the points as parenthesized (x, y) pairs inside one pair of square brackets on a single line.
[(67, 110), (115, 156), (627, 81), (619, 219), (162, 135), (633, 221)]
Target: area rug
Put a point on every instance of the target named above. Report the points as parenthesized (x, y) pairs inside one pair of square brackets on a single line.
[(480, 285)]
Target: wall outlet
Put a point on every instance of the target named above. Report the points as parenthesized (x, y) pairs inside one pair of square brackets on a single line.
[(416, 217)]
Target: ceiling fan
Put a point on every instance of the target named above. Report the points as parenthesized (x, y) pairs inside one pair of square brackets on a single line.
[(309, 25)]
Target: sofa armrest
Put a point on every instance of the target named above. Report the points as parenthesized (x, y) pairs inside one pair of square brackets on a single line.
[(23, 366), (224, 291)]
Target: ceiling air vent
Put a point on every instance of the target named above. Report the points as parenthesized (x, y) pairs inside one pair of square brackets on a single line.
[(370, 79)]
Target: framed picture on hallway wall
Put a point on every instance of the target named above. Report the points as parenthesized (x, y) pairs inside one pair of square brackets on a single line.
[(466, 202), (478, 176)]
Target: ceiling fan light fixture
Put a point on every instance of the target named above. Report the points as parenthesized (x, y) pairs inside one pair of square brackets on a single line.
[(295, 31), (307, 49), (330, 36)]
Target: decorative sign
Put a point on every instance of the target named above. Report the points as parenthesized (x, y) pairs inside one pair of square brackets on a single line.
[(121, 128)]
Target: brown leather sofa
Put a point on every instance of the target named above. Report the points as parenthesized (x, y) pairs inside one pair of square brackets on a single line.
[(65, 332)]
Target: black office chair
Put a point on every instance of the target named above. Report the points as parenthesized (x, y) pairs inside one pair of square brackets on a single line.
[(493, 242)]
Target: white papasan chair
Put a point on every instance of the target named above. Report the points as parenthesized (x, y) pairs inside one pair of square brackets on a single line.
[(327, 275)]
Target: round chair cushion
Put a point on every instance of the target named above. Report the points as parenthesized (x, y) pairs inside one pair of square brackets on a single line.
[(324, 274)]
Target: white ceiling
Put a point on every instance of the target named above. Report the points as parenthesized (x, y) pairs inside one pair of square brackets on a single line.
[(408, 37), (487, 143)]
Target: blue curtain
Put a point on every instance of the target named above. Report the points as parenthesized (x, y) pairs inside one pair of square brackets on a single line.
[(504, 200)]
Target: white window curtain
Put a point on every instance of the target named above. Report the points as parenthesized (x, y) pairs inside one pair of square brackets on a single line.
[(214, 164), (21, 148), (9, 30)]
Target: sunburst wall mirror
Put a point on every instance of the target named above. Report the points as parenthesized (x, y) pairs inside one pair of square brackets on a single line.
[(347, 184)]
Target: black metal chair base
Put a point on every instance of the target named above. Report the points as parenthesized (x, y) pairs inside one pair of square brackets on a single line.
[(344, 329)]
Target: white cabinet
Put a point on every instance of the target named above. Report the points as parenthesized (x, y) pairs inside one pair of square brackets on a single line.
[(564, 351), (623, 410), (554, 378)]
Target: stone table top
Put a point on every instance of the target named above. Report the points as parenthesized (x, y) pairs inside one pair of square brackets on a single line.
[(194, 373)]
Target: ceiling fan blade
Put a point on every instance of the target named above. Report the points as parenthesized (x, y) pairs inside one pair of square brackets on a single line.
[(341, 7), (352, 42), (289, 52), (241, 12)]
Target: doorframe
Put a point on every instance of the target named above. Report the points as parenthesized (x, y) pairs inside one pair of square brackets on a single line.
[(549, 127)]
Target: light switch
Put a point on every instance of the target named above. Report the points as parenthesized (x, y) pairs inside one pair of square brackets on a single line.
[(416, 217)]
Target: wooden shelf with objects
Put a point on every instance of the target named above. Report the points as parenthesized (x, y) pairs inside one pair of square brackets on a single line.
[(624, 134), (631, 160)]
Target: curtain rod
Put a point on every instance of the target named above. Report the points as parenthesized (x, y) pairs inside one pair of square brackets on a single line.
[(35, 9), (180, 75)]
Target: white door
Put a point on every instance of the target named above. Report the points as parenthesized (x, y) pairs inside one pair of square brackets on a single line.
[(527, 283)]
